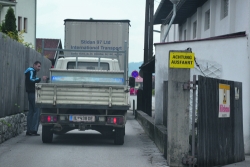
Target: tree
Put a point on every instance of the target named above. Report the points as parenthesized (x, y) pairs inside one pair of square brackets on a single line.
[(9, 27), (10, 23)]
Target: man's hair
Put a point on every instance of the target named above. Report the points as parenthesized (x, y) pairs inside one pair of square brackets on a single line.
[(37, 62)]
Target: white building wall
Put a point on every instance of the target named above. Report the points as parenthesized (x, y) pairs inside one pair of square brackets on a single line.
[(236, 21), (233, 59), (173, 34), (25, 9), (239, 13), (231, 54)]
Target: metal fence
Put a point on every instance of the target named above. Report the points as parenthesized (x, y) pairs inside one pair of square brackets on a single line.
[(14, 60), (220, 140)]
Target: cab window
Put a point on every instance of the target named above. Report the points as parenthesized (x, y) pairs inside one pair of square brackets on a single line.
[(88, 65)]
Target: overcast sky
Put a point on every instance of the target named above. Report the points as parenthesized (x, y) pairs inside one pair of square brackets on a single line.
[(51, 15)]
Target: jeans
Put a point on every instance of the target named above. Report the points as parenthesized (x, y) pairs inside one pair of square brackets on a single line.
[(33, 114)]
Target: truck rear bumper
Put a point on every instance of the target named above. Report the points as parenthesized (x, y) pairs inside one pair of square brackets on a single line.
[(83, 106), (80, 120)]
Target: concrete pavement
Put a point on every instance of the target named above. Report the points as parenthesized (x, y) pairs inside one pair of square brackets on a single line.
[(245, 163)]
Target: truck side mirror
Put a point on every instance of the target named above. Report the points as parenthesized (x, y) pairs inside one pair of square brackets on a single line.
[(131, 81)]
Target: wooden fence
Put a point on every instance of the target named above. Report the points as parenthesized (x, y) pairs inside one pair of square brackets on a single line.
[(220, 140), (14, 60)]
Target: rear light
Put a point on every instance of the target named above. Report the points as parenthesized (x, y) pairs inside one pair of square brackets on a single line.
[(48, 118), (115, 120)]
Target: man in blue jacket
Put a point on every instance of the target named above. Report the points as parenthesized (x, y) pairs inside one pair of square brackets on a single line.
[(34, 113)]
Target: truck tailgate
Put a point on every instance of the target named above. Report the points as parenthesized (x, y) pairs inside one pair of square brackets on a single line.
[(78, 95)]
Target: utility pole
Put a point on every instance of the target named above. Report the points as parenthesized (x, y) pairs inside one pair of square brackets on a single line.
[(148, 54)]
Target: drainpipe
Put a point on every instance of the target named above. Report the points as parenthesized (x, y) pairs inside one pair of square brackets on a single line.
[(35, 24), (175, 2), (0, 14)]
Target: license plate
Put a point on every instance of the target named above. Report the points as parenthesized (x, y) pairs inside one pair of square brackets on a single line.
[(82, 118)]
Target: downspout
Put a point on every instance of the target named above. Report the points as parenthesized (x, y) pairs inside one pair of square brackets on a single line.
[(0, 14), (35, 23), (172, 19)]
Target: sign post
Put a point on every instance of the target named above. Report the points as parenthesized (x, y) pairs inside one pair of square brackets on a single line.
[(178, 101)]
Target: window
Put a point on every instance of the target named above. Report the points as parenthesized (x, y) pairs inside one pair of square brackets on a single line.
[(194, 29), (25, 23), (185, 35), (180, 33), (207, 20), (88, 65), (224, 8), (19, 28)]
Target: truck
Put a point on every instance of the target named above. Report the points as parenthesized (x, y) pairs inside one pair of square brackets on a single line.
[(89, 86)]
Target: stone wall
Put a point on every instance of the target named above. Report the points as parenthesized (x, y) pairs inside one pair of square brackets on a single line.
[(12, 126)]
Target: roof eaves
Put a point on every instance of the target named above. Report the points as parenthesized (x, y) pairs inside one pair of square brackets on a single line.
[(164, 7), (5, 3), (169, 17), (184, 10)]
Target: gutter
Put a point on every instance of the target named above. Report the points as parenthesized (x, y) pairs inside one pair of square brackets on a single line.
[(5, 3)]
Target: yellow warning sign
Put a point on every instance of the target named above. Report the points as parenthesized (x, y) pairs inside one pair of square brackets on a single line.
[(181, 60)]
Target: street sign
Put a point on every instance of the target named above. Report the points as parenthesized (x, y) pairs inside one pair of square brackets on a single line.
[(134, 74), (224, 100), (181, 60)]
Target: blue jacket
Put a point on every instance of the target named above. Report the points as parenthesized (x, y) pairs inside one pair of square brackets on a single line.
[(31, 79)]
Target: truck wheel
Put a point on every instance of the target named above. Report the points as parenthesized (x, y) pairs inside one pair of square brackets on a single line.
[(119, 136), (47, 134)]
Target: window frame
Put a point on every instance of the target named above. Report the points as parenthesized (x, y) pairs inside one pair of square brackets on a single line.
[(19, 23), (194, 29), (25, 24), (207, 20)]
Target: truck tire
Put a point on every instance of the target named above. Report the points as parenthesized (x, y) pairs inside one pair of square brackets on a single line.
[(119, 136), (47, 134)]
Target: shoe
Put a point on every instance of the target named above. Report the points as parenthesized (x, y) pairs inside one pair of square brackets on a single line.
[(28, 134), (34, 133)]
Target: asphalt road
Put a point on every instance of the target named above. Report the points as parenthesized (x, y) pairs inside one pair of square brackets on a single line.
[(78, 149)]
